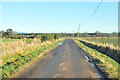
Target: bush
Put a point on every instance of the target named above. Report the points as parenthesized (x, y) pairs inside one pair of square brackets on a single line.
[(47, 37), (56, 36)]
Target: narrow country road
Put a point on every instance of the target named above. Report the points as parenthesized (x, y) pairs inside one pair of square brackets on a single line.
[(65, 61)]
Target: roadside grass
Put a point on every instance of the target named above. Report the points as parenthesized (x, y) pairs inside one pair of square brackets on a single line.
[(9, 40), (28, 40), (15, 47), (108, 48), (12, 40), (105, 63), (111, 42), (13, 64)]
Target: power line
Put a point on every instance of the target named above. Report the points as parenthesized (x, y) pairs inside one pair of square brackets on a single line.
[(93, 13)]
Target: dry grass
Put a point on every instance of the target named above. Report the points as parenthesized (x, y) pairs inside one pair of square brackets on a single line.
[(19, 54), (104, 44), (105, 63), (18, 47)]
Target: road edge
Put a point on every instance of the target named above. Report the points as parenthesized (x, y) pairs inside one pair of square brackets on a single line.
[(91, 60), (33, 64)]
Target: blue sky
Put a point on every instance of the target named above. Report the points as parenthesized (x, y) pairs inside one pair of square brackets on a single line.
[(55, 17)]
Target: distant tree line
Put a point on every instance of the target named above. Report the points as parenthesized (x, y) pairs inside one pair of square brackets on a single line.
[(9, 33), (96, 34)]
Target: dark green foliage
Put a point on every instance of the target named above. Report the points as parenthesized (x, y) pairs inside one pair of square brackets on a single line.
[(21, 37), (9, 32), (56, 36), (47, 37), (44, 37), (31, 37)]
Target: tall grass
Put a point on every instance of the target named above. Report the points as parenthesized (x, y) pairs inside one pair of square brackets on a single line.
[(104, 62), (16, 54), (18, 47), (111, 42)]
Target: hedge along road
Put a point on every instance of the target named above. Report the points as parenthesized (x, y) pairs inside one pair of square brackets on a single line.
[(65, 61)]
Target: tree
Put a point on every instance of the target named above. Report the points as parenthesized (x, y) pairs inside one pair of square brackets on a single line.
[(47, 37), (9, 32), (97, 33), (43, 38), (114, 34), (2, 33), (86, 34), (50, 36), (56, 36), (65, 35)]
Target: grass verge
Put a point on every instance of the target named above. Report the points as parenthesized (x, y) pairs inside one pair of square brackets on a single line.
[(13, 65), (105, 63)]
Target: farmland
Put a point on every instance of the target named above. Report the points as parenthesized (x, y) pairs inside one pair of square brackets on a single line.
[(18, 54), (12, 40), (111, 42)]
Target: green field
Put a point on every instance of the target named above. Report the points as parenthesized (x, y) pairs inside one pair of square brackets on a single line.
[(104, 41), (111, 42), (12, 40), (9, 40)]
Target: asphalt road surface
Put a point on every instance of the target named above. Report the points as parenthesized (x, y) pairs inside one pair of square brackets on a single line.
[(65, 61)]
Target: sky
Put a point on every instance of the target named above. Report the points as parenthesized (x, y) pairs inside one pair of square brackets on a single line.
[(57, 17), (59, 0)]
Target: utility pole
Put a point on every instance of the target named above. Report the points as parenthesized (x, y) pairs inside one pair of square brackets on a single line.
[(78, 30)]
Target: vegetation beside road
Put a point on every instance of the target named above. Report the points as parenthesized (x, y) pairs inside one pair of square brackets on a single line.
[(111, 42), (105, 63), (106, 45), (16, 55), (20, 49), (13, 40)]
